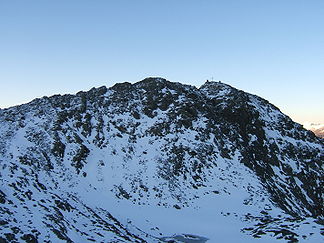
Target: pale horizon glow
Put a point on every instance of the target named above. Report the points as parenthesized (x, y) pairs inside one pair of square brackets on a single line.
[(274, 49)]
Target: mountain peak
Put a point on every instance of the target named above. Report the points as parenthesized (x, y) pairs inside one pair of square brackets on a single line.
[(133, 162), (219, 83)]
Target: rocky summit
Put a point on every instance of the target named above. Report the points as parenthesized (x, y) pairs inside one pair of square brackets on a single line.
[(158, 161)]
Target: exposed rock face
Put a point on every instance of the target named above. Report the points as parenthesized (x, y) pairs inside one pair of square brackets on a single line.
[(154, 143)]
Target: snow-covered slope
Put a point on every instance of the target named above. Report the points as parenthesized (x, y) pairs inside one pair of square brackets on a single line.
[(157, 161)]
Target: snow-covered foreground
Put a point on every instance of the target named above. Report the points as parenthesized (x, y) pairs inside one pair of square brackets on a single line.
[(217, 219)]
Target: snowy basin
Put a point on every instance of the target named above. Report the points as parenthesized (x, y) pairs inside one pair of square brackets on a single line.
[(186, 238)]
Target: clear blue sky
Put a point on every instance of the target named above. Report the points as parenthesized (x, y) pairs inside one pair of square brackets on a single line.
[(272, 48)]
